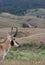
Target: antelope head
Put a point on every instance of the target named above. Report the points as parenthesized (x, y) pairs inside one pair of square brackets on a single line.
[(11, 38)]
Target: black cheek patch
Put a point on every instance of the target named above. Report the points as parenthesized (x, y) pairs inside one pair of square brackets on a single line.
[(12, 43)]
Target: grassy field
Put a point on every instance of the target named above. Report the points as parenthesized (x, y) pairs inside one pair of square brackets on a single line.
[(25, 55), (27, 52), (32, 40)]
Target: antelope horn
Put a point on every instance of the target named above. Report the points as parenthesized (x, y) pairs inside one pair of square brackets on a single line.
[(11, 30), (16, 32)]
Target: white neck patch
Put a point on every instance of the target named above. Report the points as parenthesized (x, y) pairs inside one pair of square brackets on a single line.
[(15, 43)]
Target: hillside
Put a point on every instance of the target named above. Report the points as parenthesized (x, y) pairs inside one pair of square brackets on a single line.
[(39, 12), (19, 7), (8, 20)]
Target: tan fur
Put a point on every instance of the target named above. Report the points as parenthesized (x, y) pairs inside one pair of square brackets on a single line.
[(4, 48)]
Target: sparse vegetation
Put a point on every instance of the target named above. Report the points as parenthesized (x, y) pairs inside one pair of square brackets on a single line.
[(27, 52)]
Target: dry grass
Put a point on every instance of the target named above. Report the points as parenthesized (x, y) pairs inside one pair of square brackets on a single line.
[(23, 62), (26, 34), (33, 38), (26, 31)]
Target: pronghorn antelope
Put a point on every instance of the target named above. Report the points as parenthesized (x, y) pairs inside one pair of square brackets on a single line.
[(8, 43)]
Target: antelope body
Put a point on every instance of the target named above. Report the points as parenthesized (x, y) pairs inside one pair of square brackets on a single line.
[(7, 44)]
